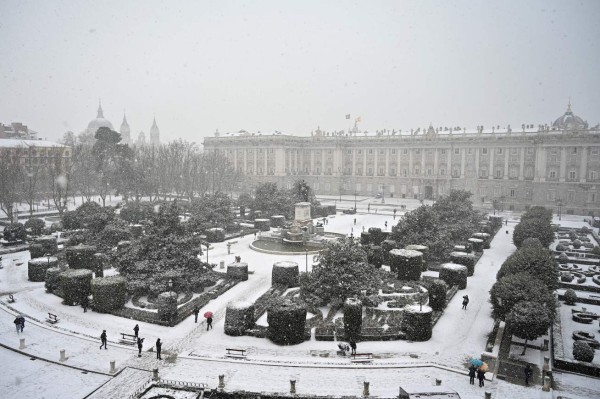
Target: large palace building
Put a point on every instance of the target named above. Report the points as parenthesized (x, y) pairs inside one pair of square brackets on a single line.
[(554, 165)]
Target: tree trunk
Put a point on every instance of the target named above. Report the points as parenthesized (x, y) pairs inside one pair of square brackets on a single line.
[(524, 348)]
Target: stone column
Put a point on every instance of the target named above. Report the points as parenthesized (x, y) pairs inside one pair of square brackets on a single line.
[(522, 164), (21, 343), (492, 172), (410, 162), (583, 165), (221, 382), (477, 150), (62, 355), (506, 154), (546, 387), (435, 162), (563, 164), (112, 367)]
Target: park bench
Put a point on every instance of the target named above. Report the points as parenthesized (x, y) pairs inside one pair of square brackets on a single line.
[(128, 339), (52, 319), (361, 358), (236, 353)]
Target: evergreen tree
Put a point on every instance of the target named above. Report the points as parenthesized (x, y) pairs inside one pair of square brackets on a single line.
[(528, 320)]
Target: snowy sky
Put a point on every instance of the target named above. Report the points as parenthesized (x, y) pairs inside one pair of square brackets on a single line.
[(293, 66)]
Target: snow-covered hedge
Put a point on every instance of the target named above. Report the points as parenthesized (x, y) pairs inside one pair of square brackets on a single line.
[(563, 258), (80, 256), (476, 244), (417, 322), (375, 255), (36, 251), (485, 237), (237, 271), (262, 224), (215, 234), (35, 225), (75, 284), (287, 321), (570, 297), (463, 258), (167, 306), (583, 352), (285, 272), (365, 238), (437, 294), (277, 220), (239, 316), (406, 263), (36, 268), (454, 274), (387, 246), (51, 278), (424, 250), (48, 243), (352, 318), (110, 293)]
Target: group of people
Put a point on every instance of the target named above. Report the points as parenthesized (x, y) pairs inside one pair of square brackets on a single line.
[(19, 323), (476, 372), (139, 341)]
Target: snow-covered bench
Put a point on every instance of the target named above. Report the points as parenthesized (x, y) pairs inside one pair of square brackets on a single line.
[(361, 358), (236, 353)]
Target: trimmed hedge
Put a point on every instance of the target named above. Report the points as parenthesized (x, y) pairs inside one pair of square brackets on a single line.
[(375, 255), (36, 225), (287, 321), (437, 295), (377, 236), (424, 250), (406, 264), (352, 318), (110, 293), (215, 234), (36, 268), (237, 271), (570, 297), (75, 284), (417, 322), (454, 274), (239, 317), (15, 232), (36, 251), (81, 256), (365, 238), (277, 220), (52, 280), (48, 243), (477, 244), (285, 272), (167, 307), (583, 352), (262, 224), (463, 258), (387, 246)]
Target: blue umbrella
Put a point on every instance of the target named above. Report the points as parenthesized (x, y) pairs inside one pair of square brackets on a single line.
[(476, 362)]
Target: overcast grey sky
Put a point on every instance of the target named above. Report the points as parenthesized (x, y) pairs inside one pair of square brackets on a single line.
[(293, 66)]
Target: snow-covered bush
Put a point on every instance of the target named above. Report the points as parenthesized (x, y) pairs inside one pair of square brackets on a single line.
[(75, 284), (375, 255), (167, 306), (35, 225), (237, 271), (477, 244), (387, 246), (287, 320), (417, 322), (217, 234), (36, 251), (377, 236), (563, 259), (36, 268), (285, 272), (561, 248), (454, 274), (80, 256), (49, 244), (14, 232), (110, 293), (262, 224), (406, 263), (239, 316), (424, 250), (437, 294), (577, 244), (465, 259), (51, 278), (570, 297), (566, 277), (352, 318), (582, 351), (531, 242)]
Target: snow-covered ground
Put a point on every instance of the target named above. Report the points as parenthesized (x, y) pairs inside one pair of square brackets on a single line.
[(193, 354)]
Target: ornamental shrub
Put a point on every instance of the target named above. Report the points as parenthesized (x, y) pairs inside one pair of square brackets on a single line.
[(377, 236), (514, 288), (437, 294), (465, 259), (36, 268), (531, 242), (406, 263), (75, 284), (454, 274), (577, 244), (352, 318), (52, 279), (375, 255), (81, 256), (535, 260), (285, 272), (533, 228), (583, 352), (35, 225), (417, 322), (287, 320), (36, 250), (561, 248), (14, 232), (563, 259), (239, 317), (110, 293), (566, 277), (570, 297)]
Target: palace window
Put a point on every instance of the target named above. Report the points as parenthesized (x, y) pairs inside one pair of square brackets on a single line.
[(271, 150), (483, 173), (591, 197), (442, 172), (393, 171), (574, 150), (551, 195), (359, 171), (455, 173), (457, 151), (443, 151), (417, 170), (349, 152), (404, 172), (393, 152), (552, 174), (593, 174), (381, 152), (499, 151), (484, 150), (405, 151), (370, 151), (530, 151), (370, 172), (514, 151), (554, 151), (512, 193), (529, 172), (470, 151), (417, 151), (572, 175), (514, 172), (359, 152), (498, 173), (429, 172), (380, 171)]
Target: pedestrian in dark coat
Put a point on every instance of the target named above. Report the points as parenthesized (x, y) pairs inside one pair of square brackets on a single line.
[(158, 349), (18, 323), (22, 320), (481, 377), (136, 330), (196, 311), (208, 323), (103, 339), (465, 301), (140, 344), (353, 347), (472, 371), (528, 373), (85, 302)]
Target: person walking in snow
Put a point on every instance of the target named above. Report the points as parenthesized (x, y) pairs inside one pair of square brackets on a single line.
[(140, 344), (22, 319), (528, 373), (386, 224), (158, 349), (208, 323), (196, 311), (472, 371), (481, 377), (18, 323), (103, 339), (353, 347), (465, 301), (136, 330)]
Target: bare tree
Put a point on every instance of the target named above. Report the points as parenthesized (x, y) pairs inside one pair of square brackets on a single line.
[(11, 176)]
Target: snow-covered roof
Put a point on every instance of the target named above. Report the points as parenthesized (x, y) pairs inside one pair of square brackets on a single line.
[(15, 143)]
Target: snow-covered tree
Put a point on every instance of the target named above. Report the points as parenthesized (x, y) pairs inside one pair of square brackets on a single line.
[(528, 320)]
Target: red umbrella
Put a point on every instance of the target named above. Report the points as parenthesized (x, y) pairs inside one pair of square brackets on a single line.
[(208, 315)]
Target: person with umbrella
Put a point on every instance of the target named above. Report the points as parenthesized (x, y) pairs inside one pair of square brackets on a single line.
[(472, 371), (208, 316), (481, 376)]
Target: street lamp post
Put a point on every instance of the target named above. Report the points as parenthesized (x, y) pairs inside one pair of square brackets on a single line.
[(559, 204), (355, 201)]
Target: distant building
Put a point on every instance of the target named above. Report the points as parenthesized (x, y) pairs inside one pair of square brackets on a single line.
[(34, 153), (552, 166), (125, 131), (154, 133), (17, 130)]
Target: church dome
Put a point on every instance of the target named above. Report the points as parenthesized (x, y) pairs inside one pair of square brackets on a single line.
[(99, 122), (569, 121)]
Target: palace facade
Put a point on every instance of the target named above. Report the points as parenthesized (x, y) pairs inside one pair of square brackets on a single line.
[(556, 166)]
